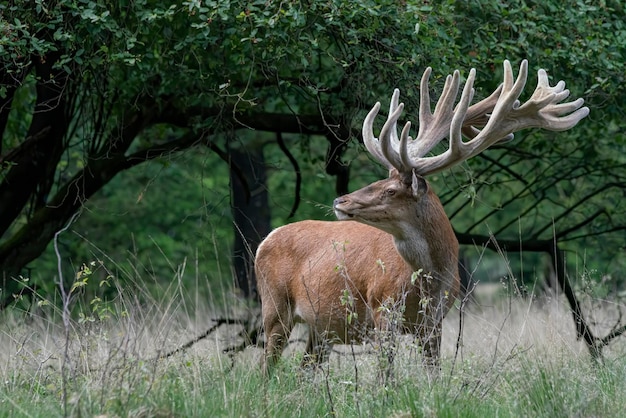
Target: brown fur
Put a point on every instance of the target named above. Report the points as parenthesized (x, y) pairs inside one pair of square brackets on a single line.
[(304, 269)]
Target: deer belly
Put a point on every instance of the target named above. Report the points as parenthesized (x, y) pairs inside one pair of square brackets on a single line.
[(341, 322)]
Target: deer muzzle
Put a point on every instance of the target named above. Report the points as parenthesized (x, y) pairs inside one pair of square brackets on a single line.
[(340, 209)]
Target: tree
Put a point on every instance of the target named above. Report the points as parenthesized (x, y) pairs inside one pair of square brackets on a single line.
[(556, 187), (90, 90), (249, 203)]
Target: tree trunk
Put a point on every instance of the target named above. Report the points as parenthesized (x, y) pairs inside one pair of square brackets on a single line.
[(251, 213), (33, 163)]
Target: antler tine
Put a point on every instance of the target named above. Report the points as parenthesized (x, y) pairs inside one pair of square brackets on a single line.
[(385, 149), (508, 99), (389, 137), (545, 100), (435, 126), (371, 142), (393, 105), (427, 165), (456, 138), (478, 114), (390, 143)]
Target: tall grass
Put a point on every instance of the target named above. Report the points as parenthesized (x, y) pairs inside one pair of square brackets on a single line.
[(514, 357)]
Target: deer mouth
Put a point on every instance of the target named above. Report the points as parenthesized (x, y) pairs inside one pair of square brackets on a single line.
[(341, 215)]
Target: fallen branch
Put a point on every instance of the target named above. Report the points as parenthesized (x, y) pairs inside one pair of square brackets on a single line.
[(218, 322), (594, 343)]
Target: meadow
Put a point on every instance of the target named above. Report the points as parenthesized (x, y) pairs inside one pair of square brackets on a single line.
[(504, 355)]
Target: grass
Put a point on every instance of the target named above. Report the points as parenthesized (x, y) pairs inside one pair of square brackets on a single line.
[(517, 357)]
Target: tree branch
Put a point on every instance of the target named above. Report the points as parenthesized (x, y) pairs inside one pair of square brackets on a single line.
[(296, 169)]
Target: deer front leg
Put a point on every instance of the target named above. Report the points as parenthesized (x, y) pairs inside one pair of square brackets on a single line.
[(429, 332), (317, 350), (430, 340)]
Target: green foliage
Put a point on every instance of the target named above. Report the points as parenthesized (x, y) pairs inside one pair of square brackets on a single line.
[(210, 69), (160, 216), (218, 49)]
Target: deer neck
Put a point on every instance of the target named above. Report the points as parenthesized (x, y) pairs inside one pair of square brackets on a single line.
[(426, 241)]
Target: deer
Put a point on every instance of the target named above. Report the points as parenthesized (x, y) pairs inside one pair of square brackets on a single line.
[(393, 240)]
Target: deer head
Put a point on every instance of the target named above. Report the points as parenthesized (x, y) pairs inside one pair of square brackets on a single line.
[(384, 204)]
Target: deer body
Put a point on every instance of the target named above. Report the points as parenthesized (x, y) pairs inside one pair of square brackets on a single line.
[(310, 288), (402, 247), (321, 273)]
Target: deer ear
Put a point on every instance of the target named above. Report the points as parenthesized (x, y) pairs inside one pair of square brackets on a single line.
[(419, 185), (393, 172), (406, 177)]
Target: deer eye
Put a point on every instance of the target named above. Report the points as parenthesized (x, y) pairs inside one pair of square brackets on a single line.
[(390, 192)]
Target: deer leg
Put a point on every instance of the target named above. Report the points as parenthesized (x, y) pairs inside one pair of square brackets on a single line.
[(309, 355), (276, 336), (431, 345), (277, 324), (317, 350), (430, 332)]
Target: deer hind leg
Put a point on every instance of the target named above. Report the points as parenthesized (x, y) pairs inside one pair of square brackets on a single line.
[(277, 325)]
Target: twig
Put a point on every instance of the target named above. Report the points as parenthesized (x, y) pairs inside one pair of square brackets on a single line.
[(218, 323), (66, 299)]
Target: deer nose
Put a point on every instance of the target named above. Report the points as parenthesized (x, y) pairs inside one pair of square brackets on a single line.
[(339, 201)]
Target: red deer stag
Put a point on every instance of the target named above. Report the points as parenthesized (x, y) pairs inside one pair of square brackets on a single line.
[(394, 241)]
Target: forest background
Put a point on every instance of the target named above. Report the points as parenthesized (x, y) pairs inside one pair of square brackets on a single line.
[(166, 139)]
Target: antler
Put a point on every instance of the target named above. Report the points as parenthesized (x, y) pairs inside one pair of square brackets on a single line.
[(485, 123)]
